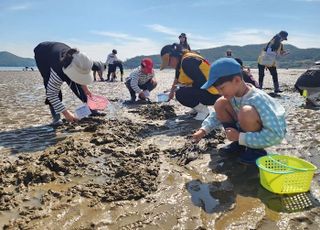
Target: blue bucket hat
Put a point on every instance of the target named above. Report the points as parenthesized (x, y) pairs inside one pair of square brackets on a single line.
[(221, 68)]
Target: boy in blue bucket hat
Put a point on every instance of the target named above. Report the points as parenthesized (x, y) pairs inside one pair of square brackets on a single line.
[(251, 118)]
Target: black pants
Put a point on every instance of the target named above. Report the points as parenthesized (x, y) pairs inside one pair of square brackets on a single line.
[(147, 86), (191, 97), (111, 69), (274, 74), (44, 69)]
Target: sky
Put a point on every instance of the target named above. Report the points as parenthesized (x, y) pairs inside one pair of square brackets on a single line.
[(143, 27)]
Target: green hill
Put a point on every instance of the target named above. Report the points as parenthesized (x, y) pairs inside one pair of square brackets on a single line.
[(10, 60), (298, 58)]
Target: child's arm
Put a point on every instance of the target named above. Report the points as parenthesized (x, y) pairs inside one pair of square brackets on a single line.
[(210, 123)]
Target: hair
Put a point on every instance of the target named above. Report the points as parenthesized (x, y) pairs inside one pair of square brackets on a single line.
[(224, 79), (67, 57)]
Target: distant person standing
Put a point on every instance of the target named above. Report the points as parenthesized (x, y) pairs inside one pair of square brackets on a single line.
[(308, 85), (267, 59), (59, 63), (119, 64), (184, 41), (112, 57), (229, 53)]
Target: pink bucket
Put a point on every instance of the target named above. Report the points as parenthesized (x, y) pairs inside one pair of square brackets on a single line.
[(96, 102)]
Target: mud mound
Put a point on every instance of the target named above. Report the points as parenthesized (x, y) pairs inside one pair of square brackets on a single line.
[(155, 111), (192, 151)]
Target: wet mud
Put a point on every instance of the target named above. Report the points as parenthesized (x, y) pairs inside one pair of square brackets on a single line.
[(137, 167)]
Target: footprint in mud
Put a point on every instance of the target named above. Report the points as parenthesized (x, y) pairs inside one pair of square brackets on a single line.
[(200, 195)]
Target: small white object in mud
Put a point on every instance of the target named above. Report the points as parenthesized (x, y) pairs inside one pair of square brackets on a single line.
[(201, 195), (162, 97), (82, 111)]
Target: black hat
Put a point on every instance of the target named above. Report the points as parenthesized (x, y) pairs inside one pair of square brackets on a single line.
[(114, 51), (174, 50), (182, 35), (283, 34)]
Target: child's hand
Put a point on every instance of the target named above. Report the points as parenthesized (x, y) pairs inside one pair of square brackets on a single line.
[(232, 134), (197, 136)]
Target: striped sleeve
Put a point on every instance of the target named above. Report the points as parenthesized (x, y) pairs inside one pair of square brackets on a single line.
[(53, 89), (134, 76)]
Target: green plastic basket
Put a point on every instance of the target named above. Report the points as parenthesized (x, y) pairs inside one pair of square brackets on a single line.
[(285, 174)]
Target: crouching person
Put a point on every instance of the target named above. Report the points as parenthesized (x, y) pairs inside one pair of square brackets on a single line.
[(141, 81), (191, 72), (251, 118)]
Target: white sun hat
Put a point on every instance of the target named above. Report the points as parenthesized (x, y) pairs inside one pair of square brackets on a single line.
[(79, 69)]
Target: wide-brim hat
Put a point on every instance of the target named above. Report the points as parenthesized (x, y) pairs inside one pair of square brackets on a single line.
[(79, 69)]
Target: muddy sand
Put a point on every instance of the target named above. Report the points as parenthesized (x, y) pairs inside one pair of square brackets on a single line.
[(136, 167)]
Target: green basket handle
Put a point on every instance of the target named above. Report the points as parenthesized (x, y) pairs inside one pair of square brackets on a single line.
[(293, 169)]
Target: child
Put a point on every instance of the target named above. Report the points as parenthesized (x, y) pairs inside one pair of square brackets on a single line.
[(141, 81), (252, 119)]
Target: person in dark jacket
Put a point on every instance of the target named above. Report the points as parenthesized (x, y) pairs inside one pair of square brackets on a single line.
[(246, 74), (184, 41), (58, 63), (192, 71), (308, 85)]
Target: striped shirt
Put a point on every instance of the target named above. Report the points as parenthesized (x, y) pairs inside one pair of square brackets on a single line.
[(138, 78), (53, 89)]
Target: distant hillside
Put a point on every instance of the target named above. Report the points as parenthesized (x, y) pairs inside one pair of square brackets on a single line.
[(298, 58), (8, 59)]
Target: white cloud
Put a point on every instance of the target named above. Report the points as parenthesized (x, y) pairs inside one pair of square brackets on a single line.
[(163, 29), (119, 36), (19, 7), (247, 36)]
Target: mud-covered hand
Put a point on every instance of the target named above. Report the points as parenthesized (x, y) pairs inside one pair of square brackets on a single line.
[(232, 134), (197, 136), (69, 116), (171, 94), (142, 96)]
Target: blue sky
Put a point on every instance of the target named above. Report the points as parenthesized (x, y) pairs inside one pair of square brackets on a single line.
[(142, 27)]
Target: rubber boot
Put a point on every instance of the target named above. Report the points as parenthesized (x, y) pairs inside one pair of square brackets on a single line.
[(202, 112)]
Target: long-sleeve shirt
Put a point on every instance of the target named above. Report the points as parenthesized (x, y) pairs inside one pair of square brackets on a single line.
[(111, 59), (271, 113), (137, 78), (53, 89)]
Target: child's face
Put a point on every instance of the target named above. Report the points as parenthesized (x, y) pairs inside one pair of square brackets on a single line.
[(230, 88)]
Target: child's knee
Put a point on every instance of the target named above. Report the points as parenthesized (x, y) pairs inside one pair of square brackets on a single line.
[(249, 119), (221, 104)]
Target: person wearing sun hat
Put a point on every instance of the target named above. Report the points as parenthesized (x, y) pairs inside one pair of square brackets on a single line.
[(273, 48), (141, 81), (58, 63), (251, 118), (192, 71)]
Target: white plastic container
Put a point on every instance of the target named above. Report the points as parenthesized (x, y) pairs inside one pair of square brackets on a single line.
[(82, 111), (163, 97)]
